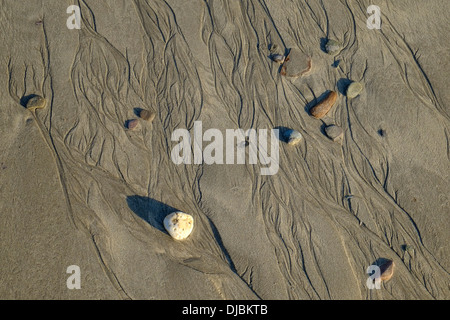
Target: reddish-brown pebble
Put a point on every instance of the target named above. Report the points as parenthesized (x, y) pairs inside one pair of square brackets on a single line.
[(132, 124), (387, 270), (323, 107)]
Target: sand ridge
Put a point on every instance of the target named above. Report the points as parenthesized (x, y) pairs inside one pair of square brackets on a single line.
[(78, 187)]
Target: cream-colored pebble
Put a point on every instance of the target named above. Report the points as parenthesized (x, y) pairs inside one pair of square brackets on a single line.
[(179, 225)]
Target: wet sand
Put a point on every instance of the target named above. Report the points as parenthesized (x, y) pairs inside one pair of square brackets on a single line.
[(78, 188)]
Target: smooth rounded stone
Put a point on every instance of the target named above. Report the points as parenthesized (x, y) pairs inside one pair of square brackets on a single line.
[(132, 124), (354, 89), (333, 47), (387, 270), (37, 102), (292, 137), (334, 132), (179, 225), (147, 115), (296, 64), (278, 58), (323, 107)]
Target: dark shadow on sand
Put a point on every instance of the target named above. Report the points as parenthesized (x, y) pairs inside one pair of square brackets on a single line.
[(323, 43), (154, 212), (322, 129), (137, 111), (24, 100), (282, 133), (335, 64), (150, 210), (383, 264), (342, 85)]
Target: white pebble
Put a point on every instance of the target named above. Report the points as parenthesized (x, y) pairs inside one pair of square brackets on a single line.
[(354, 89), (179, 225), (278, 58), (293, 137)]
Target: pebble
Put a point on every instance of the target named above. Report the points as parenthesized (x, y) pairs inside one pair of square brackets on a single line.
[(292, 137), (296, 64), (132, 124), (333, 47), (387, 270), (354, 89), (334, 132), (179, 225), (37, 102), (323, 107), (147, 115), (278, 58)]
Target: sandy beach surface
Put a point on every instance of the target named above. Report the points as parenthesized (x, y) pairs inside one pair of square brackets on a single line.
[(79, 188)]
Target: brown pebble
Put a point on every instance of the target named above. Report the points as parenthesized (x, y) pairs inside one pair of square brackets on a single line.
[(322, 108), (296, 64), (147, 115), (387, 270), (132, 124), (37, 102)]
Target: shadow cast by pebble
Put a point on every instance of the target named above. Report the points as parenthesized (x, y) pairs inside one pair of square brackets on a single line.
[(154, 212), (322, 129), (282, 133), (323, 43), (383, 264), (24, 100), (137, 111), (342, 85), (150, 210)]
